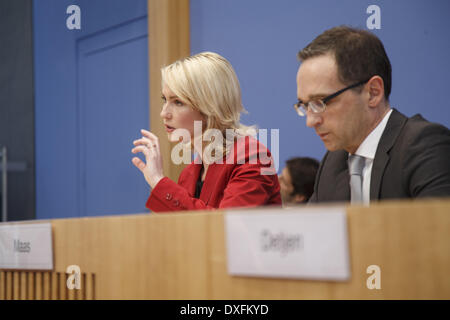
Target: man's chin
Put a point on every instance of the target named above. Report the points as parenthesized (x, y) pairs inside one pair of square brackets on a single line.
[(331, 146)]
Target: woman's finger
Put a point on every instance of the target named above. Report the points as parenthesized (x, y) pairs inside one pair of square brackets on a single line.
[(138, 163), (143, 141), (150, 135), (142, 149)]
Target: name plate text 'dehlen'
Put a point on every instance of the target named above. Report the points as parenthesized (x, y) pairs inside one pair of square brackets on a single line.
[(26, 246), (302, 243)]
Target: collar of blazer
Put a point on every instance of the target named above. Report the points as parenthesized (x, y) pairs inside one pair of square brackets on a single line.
[(393, 128), (209, 184), (214, 169)]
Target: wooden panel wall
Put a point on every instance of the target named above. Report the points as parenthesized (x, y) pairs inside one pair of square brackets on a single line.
[(169, 40), (409, 241), (43, 285), (183, 256)]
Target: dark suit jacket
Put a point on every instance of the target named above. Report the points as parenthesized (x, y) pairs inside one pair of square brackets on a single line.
[(236, 184), (412, 160)]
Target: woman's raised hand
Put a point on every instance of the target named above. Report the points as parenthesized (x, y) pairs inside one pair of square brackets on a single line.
[(152, 168)]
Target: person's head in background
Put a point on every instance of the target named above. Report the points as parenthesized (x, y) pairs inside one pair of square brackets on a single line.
[(297, 180), (343, 86)]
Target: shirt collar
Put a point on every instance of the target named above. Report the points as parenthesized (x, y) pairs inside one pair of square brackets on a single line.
[(368, 147)]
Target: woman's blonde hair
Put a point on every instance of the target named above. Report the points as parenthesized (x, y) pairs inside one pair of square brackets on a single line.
[(207, 82)]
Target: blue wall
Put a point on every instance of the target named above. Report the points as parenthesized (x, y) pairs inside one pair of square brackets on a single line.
[(262, 37), (91, 100)]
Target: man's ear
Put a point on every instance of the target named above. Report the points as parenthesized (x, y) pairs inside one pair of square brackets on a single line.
[(375, 88), (299, 198)]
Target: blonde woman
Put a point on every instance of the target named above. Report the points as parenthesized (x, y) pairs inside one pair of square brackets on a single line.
[(202, 105)]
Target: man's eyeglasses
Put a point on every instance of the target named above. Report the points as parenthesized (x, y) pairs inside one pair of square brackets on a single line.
[(319, 105)]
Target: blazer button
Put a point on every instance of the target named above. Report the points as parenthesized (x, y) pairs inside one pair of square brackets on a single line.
[(176, 203), (168, 196)]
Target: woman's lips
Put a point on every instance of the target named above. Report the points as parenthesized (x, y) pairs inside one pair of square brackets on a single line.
[(169, 128)]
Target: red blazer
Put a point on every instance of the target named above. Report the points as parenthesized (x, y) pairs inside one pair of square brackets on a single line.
[(237, 183)]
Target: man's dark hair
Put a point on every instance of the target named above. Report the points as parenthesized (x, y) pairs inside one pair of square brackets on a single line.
[(359, 55), (303, 174)]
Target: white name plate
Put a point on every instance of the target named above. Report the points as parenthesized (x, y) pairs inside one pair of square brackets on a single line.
[(303, 243), (26, 246)]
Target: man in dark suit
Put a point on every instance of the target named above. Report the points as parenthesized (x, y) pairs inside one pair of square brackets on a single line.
[(374, 151)]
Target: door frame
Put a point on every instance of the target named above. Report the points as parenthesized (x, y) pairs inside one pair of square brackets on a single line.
[(168, 40)]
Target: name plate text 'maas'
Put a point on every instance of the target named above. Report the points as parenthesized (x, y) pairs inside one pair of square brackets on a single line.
[(26, 246), (303, 243)]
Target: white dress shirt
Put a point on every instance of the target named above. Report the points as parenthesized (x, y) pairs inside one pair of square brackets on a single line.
[(367, 149)]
